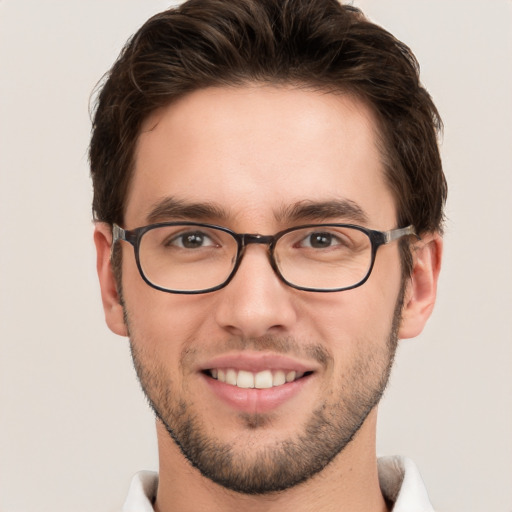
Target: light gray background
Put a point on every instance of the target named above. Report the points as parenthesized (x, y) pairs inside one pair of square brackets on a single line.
[(74, 426)]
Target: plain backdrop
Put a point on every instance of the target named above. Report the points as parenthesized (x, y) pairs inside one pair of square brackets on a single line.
[(74, 425)]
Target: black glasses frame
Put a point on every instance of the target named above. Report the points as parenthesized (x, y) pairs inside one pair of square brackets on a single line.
[(377, 239)]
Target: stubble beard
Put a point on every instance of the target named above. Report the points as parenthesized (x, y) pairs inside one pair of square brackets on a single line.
[(281, 465)]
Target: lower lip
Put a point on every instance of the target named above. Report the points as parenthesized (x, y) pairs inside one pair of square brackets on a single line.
[(256, 400)]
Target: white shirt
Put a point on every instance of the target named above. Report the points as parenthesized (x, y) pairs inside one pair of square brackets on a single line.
[(399, 479)]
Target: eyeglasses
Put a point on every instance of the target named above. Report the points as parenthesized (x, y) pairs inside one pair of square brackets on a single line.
[(190, 257)]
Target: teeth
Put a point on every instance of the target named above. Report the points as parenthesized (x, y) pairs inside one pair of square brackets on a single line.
[(245, 379), (261, 380), (279, 378), (290, 376), (231, 377)]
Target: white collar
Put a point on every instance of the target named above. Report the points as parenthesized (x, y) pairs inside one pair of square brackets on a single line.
[(142, 492), (399, 479), (401, 484)]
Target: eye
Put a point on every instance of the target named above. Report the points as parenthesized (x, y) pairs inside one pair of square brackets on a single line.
[(191, 240), (321, 240)]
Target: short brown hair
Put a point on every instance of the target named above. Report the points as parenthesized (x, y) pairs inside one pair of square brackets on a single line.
[(313, 43)]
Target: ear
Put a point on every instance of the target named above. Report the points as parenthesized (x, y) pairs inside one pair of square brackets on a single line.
[(114, 315), (420, 294)]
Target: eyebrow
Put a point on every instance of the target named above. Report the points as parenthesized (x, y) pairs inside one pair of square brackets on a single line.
[(172, 208), (311, 211), (302, 211)]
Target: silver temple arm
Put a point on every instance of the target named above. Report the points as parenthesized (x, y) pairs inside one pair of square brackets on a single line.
[(395, 234), (118, 233)]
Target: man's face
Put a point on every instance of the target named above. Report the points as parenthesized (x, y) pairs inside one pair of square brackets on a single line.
[(250, 157)]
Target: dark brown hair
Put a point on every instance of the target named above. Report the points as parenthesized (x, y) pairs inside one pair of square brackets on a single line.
[(312, 43)]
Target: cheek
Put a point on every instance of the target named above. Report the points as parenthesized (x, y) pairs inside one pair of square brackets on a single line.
[(153, 311), (352, 314), (163, 324), (353, 322)]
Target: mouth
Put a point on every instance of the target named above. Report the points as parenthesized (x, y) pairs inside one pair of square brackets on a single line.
[(264, 379), (257, 382)]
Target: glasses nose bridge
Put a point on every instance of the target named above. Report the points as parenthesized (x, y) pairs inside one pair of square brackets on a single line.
[(249, 238)]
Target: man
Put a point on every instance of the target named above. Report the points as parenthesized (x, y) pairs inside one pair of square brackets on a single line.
[(268, 194)]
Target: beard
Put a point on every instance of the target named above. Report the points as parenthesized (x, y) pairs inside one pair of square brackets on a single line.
[(277, 465)]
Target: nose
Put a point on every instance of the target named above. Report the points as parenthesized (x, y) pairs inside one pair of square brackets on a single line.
[(256, 302)]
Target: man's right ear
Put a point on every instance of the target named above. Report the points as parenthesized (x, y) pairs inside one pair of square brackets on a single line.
[(114, 315)]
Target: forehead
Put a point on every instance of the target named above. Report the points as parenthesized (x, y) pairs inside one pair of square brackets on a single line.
[(257, 150)]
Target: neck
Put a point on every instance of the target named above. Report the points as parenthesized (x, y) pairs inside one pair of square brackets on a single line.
[(349, 482)]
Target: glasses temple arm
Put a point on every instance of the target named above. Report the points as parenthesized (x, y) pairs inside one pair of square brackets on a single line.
[(118, 233), (395, 234)]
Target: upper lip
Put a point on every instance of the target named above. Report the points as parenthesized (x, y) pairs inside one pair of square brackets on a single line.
[(257, 362)]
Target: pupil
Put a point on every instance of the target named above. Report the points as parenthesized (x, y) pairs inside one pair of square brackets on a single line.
[(320, 240), (193, 240)]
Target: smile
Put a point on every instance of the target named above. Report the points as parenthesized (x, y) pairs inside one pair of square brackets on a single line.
[(261, 380)]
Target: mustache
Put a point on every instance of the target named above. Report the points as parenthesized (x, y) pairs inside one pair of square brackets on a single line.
[(285, 345)]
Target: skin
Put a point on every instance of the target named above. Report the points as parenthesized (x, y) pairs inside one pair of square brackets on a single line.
[(253, 152)]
